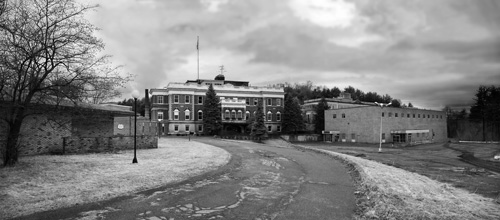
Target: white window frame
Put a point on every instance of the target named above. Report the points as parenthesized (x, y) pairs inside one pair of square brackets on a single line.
[(247, 115), (278, 116), (176, 128), (269, 128), (200, 115), (187, 128), (200, 128), (176, 98), (278, 102), (269, 116), (255, 101), (269, 102), (159, 116), (187, 99), (187, 114), (239, 114), (200, 99), (159, 99), (176, 114), (278, 128)]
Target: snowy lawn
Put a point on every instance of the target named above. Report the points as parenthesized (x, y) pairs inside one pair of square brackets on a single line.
[(391, 193), (44, 182)]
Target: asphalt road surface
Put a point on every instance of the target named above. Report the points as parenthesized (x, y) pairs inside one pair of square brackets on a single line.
[(260, 182)]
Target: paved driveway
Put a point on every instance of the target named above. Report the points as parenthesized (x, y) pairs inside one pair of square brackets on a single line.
[(260, 182)]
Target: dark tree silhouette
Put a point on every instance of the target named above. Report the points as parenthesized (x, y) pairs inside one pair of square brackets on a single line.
[(319, 119), (212, 119)]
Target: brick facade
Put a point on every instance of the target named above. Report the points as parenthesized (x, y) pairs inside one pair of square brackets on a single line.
[(362, 124), (178, 108), (76, 132)]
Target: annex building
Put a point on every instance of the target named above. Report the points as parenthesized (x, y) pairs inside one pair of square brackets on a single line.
[(178, 107), (399, 125), (343, 101)]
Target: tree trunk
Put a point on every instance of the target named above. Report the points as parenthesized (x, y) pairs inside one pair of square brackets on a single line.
[(11, 152)]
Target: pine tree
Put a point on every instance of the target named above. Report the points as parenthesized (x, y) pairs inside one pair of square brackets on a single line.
[(319, 119), (292, 116), (258, 127), (212, 120)]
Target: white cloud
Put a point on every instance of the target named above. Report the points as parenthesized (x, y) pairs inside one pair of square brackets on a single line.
[(325, 13), (213, 5)]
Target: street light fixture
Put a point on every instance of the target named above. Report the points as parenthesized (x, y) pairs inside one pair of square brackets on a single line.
[(135, 95), (381, 105)]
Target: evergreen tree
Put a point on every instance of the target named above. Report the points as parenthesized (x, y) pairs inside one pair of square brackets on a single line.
[(292, 116), (258, 126), (410, 105), (319, 119), (212, 120)]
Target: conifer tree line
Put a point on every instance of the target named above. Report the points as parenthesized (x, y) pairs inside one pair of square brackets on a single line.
[(306, 91)]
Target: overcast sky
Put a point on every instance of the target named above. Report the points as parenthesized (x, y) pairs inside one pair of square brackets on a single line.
[(430, 53)]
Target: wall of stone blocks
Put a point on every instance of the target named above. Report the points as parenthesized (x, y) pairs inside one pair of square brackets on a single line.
[(77, 145), (38, 134), (125, 126), (92, 125)]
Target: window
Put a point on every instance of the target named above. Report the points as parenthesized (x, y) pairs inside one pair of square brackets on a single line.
[(200, 128), (383, 113), (418, 115), (160, 99), (334, 115), (269, 102), (200, 115), (407, 115), (247, 115), (343, 115), (423, 116), (418, 134), (396, 115), (353, 136), (383, 136), (176, 128), (390, 114), (176, 114), (247, 101), (176, 98), (278, 128), (428, 116), (278, 116), (278, 102), (269, 116), (233, 114), (240, 115), (255, 101), (226, 114), (187, 98), (187, 128), (200, 99), (269, 128), (343, 135), (160, 116), (187, 114), (413, 115)]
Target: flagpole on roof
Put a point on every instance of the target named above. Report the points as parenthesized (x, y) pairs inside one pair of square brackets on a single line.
[(198, 49)]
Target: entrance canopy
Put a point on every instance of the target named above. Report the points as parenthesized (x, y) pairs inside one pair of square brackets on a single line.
[(404, 131)]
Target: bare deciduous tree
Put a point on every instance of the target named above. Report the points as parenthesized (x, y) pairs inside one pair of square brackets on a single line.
[(48, 53)]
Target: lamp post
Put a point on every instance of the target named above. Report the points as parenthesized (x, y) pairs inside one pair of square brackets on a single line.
[(135, 95), (381, 105)]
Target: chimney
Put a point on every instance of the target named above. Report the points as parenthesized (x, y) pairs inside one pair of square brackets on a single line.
[(146, 104)]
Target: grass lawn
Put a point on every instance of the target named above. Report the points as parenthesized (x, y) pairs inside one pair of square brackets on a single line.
[(44, 182), (388, 192)]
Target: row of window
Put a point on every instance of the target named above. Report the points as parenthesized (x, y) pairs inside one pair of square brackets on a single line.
[(227, 115), (403, 115), (200, 128), (233, 114), (187, 100)]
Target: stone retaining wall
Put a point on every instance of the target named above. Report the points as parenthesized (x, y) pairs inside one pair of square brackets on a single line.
[(106, 144)]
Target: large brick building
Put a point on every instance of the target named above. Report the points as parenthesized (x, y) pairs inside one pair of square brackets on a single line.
[(399, 125), (343, 101), (178, 107)]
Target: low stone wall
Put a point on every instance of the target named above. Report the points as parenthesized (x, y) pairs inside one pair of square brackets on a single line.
[(302, 137), (106, 144)]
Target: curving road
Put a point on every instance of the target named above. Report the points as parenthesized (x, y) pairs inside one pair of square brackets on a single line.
[(260, 182)]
